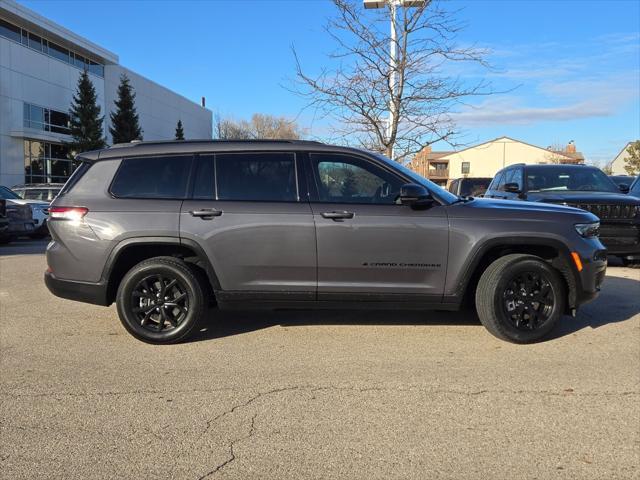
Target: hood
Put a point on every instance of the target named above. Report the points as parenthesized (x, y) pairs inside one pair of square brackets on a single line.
[(583, 197), (519, 205), (33, 203)]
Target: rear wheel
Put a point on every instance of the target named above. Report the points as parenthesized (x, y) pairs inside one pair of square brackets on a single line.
[(160, 300), (520, 298)]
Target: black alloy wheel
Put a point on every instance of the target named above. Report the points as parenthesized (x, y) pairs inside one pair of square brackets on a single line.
[(528, 300), (160, 302)]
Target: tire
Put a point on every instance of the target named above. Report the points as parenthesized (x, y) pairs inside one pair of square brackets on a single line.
[(160, 300), (512, 287)]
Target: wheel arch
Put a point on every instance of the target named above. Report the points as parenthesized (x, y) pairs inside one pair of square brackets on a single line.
[(131, 251), (550, 249)]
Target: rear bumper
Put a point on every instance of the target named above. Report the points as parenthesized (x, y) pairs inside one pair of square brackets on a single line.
[(95, 293)]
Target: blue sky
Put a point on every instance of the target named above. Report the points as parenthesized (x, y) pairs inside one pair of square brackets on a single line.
[(570, 69)]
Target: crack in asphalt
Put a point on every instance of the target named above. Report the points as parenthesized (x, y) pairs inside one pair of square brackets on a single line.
[(232, 454)]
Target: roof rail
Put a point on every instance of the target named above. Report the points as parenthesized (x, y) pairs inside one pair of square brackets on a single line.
[(134, 143)]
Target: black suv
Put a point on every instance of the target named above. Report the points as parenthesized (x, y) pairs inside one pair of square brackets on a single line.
[(165, 229), (582, 187)]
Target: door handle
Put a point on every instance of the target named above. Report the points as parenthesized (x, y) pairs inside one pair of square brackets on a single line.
[(206, 213), (338, 215)]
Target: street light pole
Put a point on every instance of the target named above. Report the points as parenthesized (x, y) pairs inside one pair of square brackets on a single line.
[(393, 52)]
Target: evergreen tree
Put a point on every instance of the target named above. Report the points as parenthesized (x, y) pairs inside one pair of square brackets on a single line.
[(125, 124), (85, 122), (179, 131)]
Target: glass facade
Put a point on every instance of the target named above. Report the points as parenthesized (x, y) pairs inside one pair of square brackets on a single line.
[(45, 119), (28, 39), (46, 162)]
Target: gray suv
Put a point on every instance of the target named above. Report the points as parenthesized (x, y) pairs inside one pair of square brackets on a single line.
[(168, 229)]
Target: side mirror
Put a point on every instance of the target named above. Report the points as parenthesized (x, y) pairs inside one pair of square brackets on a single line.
[(624, 188), (512, 188), (414, 195)]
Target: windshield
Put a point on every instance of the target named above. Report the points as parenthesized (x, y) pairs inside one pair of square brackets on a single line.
[(437, 191), (474, 187), (7, 194), (557, 178)]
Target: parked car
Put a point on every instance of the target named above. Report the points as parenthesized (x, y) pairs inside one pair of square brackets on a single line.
[(623, 182), (39, 211), (45, 192), (634, 190), (469, 187), (19, 217), (4, 220), (582, 187), (165, 229)]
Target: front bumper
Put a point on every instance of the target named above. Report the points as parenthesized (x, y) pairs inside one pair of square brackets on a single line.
[(95, 293)]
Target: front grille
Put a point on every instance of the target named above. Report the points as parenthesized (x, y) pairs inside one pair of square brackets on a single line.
[(608, 212)]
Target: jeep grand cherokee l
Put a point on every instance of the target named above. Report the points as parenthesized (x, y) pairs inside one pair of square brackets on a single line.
[(164, 229)]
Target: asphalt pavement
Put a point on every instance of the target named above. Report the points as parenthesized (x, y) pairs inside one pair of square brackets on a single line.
[(318, 395)]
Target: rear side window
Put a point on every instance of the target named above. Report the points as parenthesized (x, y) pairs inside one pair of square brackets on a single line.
[(77, 174), (152, 177), (267, 177)]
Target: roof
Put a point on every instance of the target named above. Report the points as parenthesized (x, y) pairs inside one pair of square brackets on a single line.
[(575, 156), (204, 146)]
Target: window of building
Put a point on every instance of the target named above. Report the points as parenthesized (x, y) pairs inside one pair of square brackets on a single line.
[(45, 119), (466, 168), (28, 39), (266, 177), (152, 177), (346, 179), (46, 162), (9, 31)]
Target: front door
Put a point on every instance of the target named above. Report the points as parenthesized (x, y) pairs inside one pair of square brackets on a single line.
[(246, 213), (368, 244)]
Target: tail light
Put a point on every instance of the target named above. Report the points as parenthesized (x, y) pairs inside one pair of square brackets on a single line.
[(68, 213)]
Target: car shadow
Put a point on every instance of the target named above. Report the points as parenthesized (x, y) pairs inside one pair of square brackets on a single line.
[(219, 324), (616, 303)]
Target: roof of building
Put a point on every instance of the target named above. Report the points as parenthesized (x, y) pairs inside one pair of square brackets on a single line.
[(574, 156)]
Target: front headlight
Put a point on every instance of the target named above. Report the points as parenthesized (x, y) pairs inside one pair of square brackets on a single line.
[(588, 230)]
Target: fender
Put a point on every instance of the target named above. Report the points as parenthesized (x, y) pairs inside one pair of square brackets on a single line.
[(154, 242), (480, 250)]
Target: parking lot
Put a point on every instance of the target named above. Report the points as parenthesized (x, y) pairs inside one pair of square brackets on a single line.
[(314, 395)]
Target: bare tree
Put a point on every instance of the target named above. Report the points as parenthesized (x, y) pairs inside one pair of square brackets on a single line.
[(260, 126), (418, 88)]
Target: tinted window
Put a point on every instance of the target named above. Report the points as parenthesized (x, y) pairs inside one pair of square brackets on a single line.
[(514, 176), (35, 42), (473, 186), (344, 179), (497, 181), (560, 178), (7, 194), (204, 183), (9, 31), (152, 177), (256, 176), (58, 52)]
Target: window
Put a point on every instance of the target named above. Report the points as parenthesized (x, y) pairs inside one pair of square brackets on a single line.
[(514, 176), (9, 31), (58, 52), (36, 42), (269, 177), (204, 183), (46, 162), (45, 119), (568, 178), (152, 177), (466, 168), (28, 39), (345, 179), (497, 182)]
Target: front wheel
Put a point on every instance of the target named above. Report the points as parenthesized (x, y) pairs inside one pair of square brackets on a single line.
[(520, 298), (160, 300)]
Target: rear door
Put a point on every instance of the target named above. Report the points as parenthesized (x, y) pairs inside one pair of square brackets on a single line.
[(246, 212), (366, 242)]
